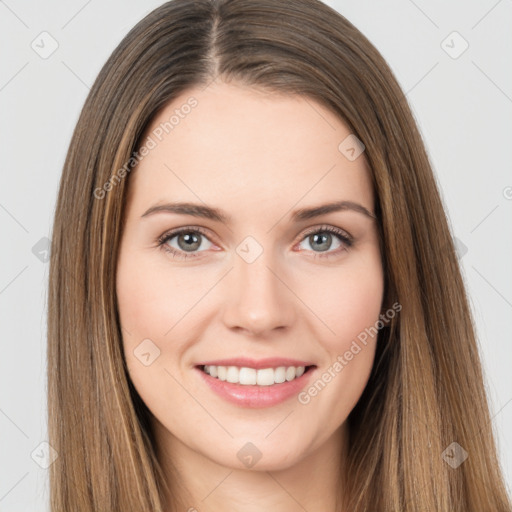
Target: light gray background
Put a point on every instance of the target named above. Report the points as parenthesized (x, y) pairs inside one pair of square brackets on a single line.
[(463, 106)]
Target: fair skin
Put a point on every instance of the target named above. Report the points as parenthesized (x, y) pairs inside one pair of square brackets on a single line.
[(257, 157)]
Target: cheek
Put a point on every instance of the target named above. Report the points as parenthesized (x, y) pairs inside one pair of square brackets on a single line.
[(349, 303), (158, 317), (346, 300), (150, 303), (148, 310)]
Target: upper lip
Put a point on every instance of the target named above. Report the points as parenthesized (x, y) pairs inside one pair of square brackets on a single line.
[(270, 362)]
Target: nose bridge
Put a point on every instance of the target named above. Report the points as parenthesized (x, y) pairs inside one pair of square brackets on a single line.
[(258, 299)]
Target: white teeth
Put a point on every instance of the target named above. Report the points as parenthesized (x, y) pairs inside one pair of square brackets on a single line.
[(265, 377), (280, 375), (232, 374), (246, 376), (290, 373), (251, 376)]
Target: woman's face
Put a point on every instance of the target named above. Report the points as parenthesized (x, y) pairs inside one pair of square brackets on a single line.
[(255, 287)]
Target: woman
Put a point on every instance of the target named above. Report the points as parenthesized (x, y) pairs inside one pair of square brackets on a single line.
[(203, 353)]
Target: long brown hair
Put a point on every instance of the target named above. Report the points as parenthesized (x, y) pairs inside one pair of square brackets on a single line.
[(426, 389)]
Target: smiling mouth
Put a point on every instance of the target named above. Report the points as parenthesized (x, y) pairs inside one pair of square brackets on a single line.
[(250, 376)]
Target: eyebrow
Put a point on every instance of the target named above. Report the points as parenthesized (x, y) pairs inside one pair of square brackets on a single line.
[(208, 212)]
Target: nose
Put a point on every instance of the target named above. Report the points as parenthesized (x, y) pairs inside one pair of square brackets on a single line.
[(259, 299)]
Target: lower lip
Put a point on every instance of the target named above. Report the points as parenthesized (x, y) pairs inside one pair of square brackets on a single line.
[(256, 396)]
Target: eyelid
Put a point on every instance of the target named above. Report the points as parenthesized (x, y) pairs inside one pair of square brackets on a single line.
[(328, 228)]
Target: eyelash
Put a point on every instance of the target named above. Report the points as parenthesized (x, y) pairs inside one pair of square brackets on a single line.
[(346, 239)]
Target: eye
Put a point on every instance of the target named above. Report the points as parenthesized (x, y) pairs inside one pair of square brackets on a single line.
[(322, 239), (187, 240)]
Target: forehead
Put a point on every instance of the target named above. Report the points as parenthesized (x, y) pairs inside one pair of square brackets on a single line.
[(238, 145)]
